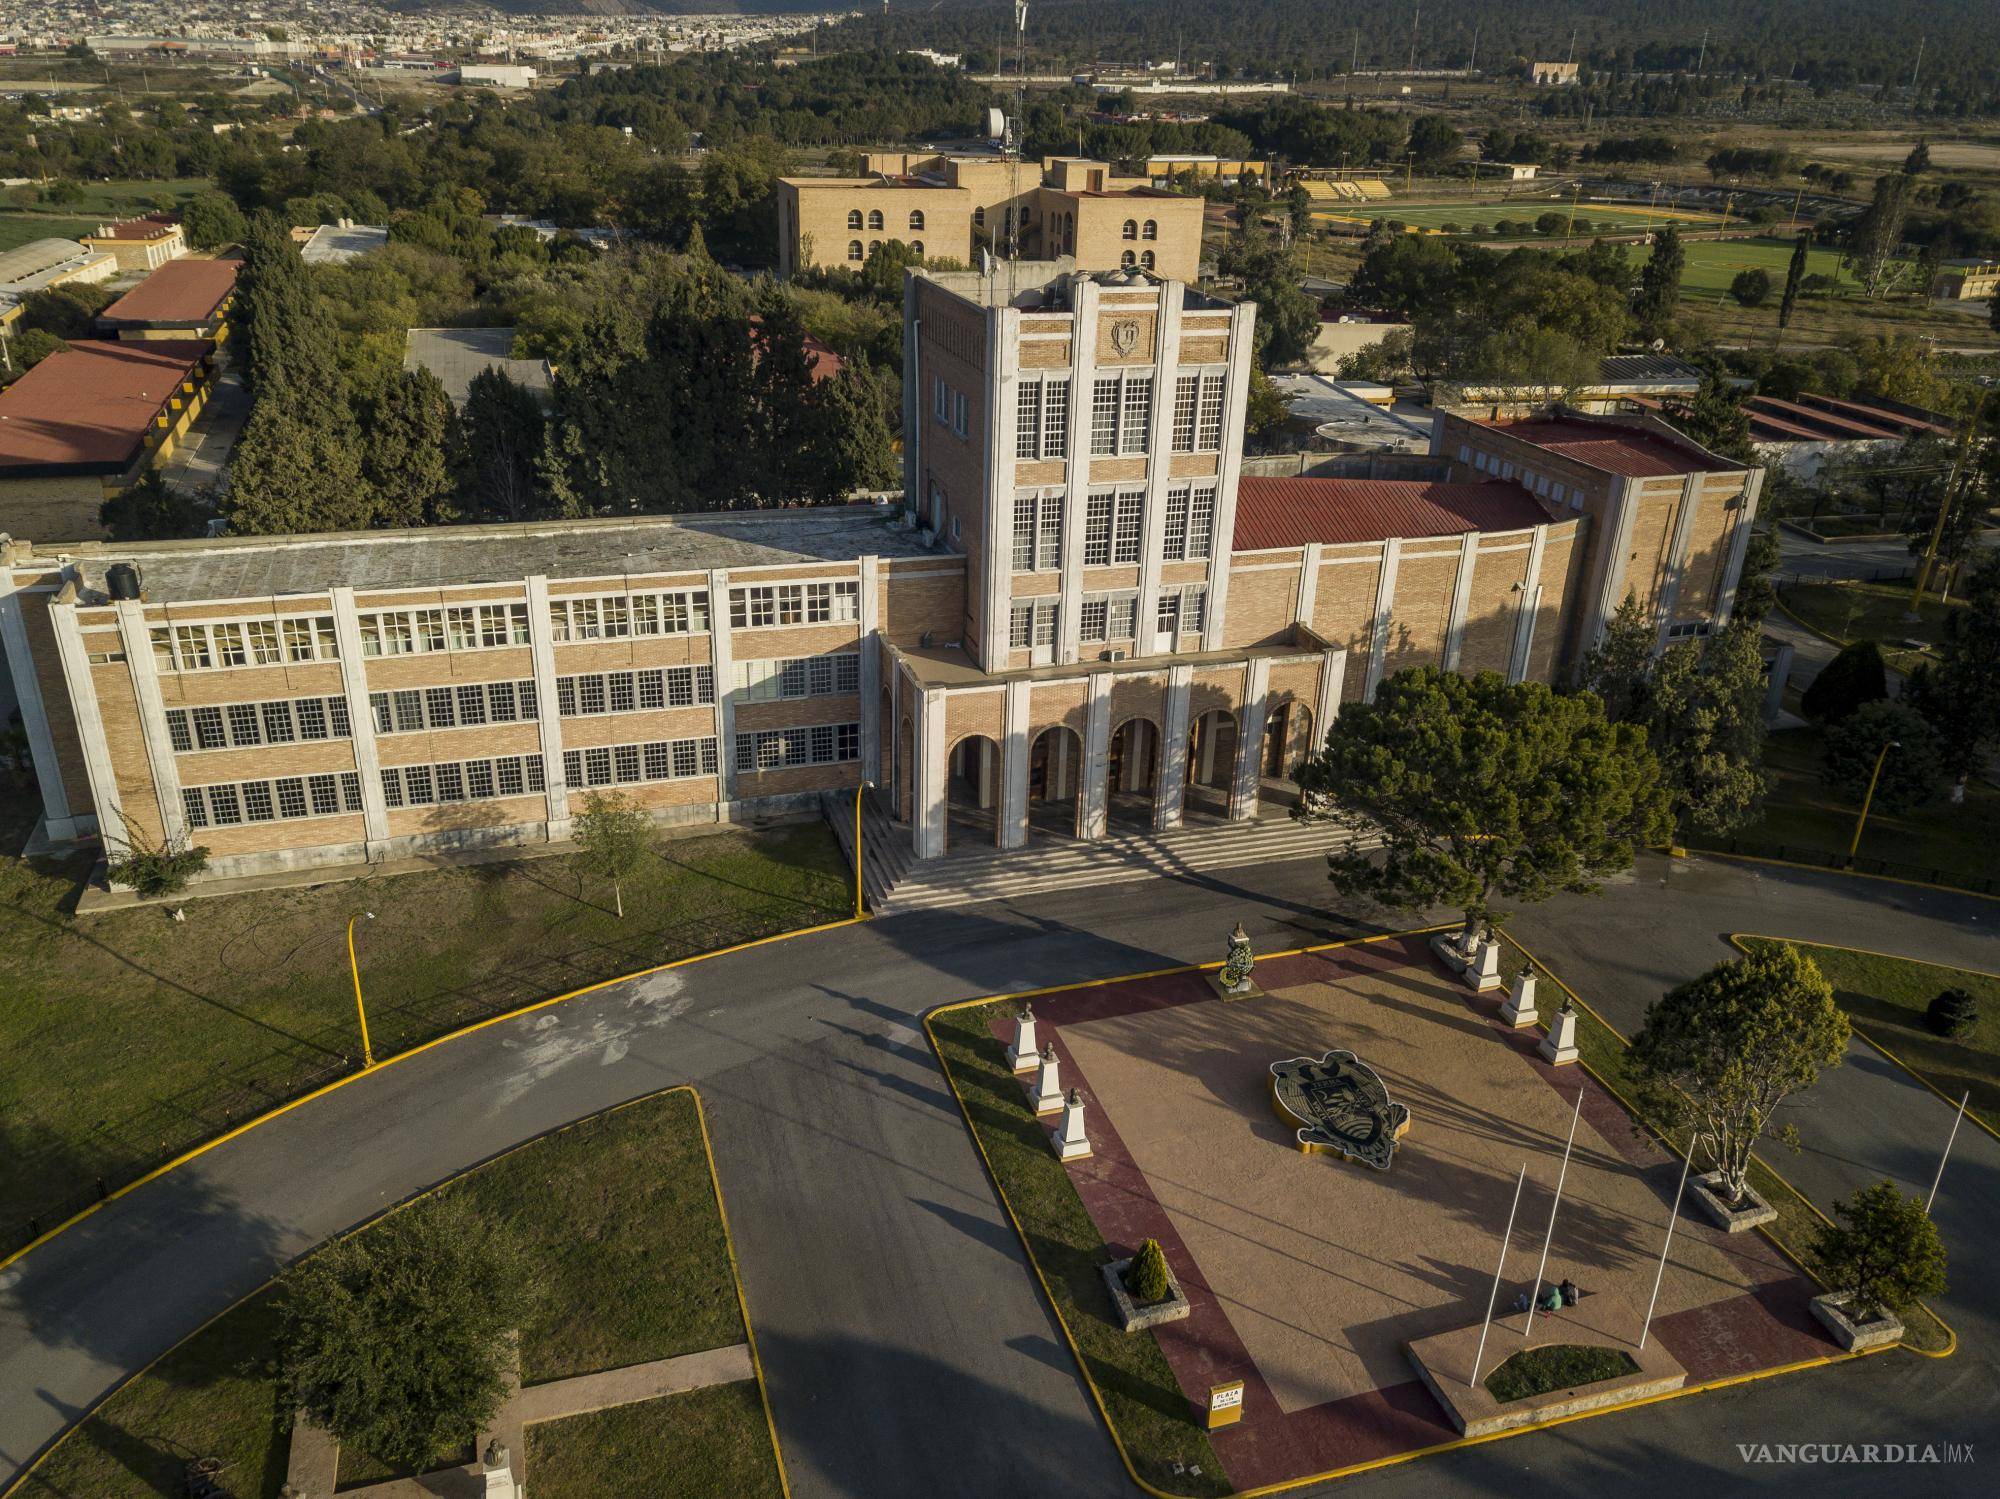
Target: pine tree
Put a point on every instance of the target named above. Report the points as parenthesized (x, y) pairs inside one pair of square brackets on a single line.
[(1794, 274), (410, 436), (1706, 725), (1619, 668), (501, 436), (292, 474), (1660, 283), (857, 442)]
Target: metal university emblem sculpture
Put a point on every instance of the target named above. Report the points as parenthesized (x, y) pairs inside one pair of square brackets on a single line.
[(1340, 1107)]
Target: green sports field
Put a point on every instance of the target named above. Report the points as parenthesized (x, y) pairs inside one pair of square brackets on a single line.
[(1480, 217), (1713, 264)]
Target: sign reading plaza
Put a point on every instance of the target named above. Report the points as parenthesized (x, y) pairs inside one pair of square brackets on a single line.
[(1225, 1404)]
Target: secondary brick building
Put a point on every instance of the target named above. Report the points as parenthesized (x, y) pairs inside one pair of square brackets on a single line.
[(1082, 615)]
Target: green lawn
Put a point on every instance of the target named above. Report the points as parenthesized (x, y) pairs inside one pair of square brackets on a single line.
[(1145, 1403), (134, 1038), (1871, 611), (1713, 264), (619, 1219), (1607, 1055), (1480, 215), (699, 1445), (1803, 820), (18, 229), (1556, 1366), (1886, 997)]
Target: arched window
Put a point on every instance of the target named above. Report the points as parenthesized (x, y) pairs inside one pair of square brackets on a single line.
[(916, 218), (874, 218), (1131, 229), (1127, 258), (854, 249), (979, 218), (874, 245), (916, 247), (1146, 260), (854, 218), (1152, 230)]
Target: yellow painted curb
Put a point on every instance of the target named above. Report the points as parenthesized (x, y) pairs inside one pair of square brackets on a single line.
[(402, 1056), (1737, 940), (1778, 603), (728, 1242), (1083, 1365)]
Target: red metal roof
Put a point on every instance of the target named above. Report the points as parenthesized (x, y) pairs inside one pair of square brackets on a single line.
[(1630, 451), (1273, 513), (1830, 424), (1881, 416), (152, 226), (87, 407), (181, 291)]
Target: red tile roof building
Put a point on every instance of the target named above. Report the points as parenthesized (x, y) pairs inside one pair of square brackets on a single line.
[(184, 298)]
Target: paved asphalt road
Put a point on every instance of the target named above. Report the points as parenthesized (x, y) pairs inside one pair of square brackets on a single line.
[(907, 1348)]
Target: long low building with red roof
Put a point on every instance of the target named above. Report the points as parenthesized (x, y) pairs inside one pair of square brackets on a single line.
[(86, 422), (183, 299)]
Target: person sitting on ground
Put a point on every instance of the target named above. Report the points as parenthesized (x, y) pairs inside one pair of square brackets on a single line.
[(1571, 1295), (1521, 1301), (1553, 1301)]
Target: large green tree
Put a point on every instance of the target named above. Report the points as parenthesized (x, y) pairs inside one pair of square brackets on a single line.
[(1483, 790), (1733, 1044), (1959, 696), (501, 434), (1884, 1254), (1659, 291), (1893, 735), (409, 439), (397, 1339)]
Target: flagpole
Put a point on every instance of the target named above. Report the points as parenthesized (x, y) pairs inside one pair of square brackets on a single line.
[(1666, 1243), (1494, 1294), (1947, 1151), (1549, 1237)]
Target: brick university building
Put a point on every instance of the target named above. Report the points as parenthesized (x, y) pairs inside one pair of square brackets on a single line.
[(1083, 616)]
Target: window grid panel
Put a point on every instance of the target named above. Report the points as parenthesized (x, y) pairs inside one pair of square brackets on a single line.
[(1174, 545), (1055, 419), (1187, 397), (1210, 437), (1097, 530), (1201, 523), (1136, 423), (1028, 420), (1048, 533), (1024, 532), (1130, 529), (1104, 406)]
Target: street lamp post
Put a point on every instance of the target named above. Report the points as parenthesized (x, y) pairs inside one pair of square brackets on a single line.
[(858, 790), (360, 1010), (1867, 800)]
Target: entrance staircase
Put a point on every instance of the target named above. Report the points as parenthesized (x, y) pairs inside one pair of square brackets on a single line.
[(895, 881)]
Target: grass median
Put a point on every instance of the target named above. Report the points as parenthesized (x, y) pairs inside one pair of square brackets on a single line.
[(620, 1223), (1142, 1399), (134, 1038)]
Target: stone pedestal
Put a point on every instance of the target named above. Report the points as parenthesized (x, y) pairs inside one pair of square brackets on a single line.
[(497, 1469), (1734, 1218), (1482, 974), (1855, 1337), (1022, 1053), (1558, 1047), (1067, 1139), (1048, 1086), (1518, 1009)]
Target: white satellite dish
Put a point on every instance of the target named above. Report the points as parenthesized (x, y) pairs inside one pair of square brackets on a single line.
[(985, 261), (996, 124)]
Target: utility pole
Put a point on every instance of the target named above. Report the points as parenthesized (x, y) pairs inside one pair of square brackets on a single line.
[(1703, 57), (1472, 65), (1917, 64)]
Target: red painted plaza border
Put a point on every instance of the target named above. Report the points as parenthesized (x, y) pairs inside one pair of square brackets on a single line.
[(1768, 1326)]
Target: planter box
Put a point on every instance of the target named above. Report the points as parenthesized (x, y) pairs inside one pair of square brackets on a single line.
[(1133, 1317), (1855, 1337), (1707, 1191)]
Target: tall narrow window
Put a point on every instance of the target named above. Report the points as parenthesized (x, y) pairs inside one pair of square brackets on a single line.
[(1021, 625), (1097, 530), (1028, 420), (1104, 416), (1048, 533), (1210, 438), (1136, 424), (1129, 530), (1187, 397), (1045, 621), (1055, 419), (1024, 533), (1174, 546), (1201, 523)]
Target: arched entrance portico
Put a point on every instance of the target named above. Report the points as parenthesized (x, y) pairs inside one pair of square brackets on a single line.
[(972, 791), (1132, 773), (1288, 741), (1055, 782), (1211, 764)]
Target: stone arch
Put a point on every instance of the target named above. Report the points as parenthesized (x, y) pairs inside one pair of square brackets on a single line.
[(1055, 781), (975, 788), (1214, 740), (1132, 770)]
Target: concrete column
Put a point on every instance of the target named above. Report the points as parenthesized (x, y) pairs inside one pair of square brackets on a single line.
[(138, 647), (1061, 780), (542, 651), (1378, 625), (916, 399), (1097, 756), (1530, 603), (1307, 595), (722, 657), (59, 822), (871, 669), (985, 775), (1205, 770), (1332, 683), (1159, 459), (1461, 599), (1235, 401), (1014, 750), (1003, 364), (1250, 739), (360, 720), (1076, 472), (930, 793), (1170, 796), (89, 727), (1732, 575), (1677, 552), (1613, 549)]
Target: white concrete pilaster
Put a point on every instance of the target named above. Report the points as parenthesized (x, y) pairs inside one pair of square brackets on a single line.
[(1332, 683), (59, 820), (1170, 796), (1385, 608), (1530, 602), (542, 651), (1250, 739), (1159, 459), (1732, 575), (1461, 599), (89, 727), (1097, 757), (1235, 402), (1076, 472), (1306, 596), (360, 720), (1003, 362), (722, 658), (138, 647), (871, 669), (1617, 547), (1014, 750), (1677, 552), (931, 791)]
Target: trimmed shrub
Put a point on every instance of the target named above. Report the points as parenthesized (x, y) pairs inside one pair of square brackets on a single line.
[(1850, 680), (1885, 1254), (1751, 288), (1146, 1276), (1953, 1012)]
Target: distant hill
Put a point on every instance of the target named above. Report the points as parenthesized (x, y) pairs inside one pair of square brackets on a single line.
[(642, 7)]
